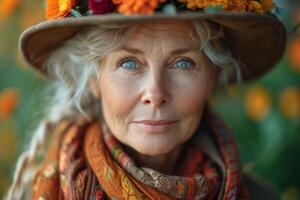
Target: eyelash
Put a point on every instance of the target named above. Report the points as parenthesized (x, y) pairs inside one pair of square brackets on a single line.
[(192, 63), (126, 60)]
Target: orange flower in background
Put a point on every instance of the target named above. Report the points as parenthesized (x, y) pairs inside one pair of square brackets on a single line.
[(7, 7), (290, 102), (128, 7), (9, 100), (59, 8), (294, 53), (258, 103)]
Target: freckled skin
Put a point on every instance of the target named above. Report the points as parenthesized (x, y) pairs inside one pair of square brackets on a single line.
[(155, 89)]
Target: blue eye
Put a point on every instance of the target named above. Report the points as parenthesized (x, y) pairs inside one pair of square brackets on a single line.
[(182, 64), (129, 64)]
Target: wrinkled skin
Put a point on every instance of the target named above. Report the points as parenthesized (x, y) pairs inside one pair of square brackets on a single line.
[(147, 79)]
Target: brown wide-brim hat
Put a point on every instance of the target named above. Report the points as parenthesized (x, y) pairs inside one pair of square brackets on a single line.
[(257, 41)]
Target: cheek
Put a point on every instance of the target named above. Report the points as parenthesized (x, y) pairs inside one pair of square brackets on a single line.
[(117, 104), (191, 98), (191, 94)]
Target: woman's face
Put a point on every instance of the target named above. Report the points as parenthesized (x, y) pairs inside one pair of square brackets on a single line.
[(154, 88)]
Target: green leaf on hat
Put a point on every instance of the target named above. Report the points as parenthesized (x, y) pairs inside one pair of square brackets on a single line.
[(75, 13)]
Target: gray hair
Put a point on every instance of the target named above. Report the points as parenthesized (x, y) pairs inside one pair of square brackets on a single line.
[(77, 60)]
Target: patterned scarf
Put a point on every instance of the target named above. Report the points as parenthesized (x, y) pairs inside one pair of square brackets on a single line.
[(85, 161)]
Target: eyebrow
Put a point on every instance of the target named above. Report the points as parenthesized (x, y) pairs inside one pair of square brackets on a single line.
[(173, 52)]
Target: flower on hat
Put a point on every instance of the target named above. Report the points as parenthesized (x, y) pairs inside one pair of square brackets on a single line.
[(101, 6), (202, 4), (236, 5), (267, 5), (59, 8), (255, 7), (228, 5), (128, 7)]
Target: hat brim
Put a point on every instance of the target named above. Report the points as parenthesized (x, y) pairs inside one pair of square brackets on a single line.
[(256, 40)]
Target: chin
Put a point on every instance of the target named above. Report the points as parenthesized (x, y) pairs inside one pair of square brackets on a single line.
[(154, 150)]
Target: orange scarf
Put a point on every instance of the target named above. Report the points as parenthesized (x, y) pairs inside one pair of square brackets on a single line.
[(85, 161)]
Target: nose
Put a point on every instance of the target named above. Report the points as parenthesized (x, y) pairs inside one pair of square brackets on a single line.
[(156, 92)]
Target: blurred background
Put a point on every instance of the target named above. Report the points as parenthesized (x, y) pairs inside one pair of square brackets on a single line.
[(264, 114)]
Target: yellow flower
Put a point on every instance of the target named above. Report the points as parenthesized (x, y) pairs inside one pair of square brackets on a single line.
[(59, 8), (258, 103)]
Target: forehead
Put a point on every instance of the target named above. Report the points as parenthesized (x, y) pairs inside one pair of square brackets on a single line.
[(170, 34)]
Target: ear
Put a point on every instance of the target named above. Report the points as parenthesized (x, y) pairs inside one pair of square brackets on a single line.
[(94, 87)]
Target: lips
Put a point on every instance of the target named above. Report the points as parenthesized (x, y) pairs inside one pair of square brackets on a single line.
[(155, 125)]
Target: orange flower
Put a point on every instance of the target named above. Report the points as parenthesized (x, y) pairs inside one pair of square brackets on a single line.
[(129, 7), (290, 102), (227, 5), (254, 6), (9, 99), (267, 5), (258, 103), (59, 8), (202, 4), (236, 5), (7, 7)]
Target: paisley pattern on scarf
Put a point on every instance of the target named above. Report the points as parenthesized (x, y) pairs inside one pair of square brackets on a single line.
[(85, 161), (194, 185)]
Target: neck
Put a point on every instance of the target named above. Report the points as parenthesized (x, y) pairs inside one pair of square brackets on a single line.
[(165, 163)]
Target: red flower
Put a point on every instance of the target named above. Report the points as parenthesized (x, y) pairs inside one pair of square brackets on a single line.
[(101, 6)]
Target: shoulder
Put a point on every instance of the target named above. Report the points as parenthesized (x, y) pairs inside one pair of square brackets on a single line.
[(258, 189)]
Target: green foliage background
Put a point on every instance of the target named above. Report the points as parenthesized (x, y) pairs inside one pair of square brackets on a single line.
[(269, 146)]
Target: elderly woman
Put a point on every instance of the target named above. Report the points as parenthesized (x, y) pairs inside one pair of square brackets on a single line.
[(129, 117)]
